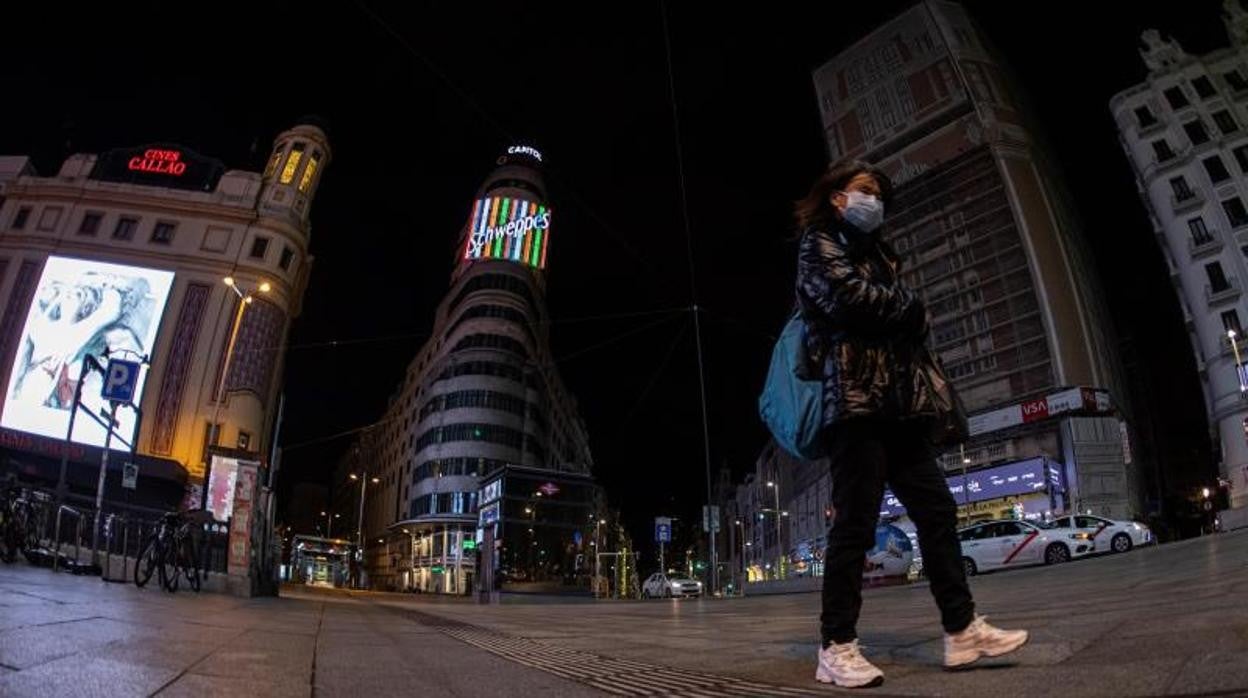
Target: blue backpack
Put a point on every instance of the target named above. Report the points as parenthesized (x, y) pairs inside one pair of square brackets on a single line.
[(792, 406)]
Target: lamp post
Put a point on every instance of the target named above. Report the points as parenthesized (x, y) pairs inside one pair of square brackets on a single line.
[(966, 495), (775, 488), (597, 552), (1239, 373), (741, 533), (329, 523), (245, 299), (359, 528)]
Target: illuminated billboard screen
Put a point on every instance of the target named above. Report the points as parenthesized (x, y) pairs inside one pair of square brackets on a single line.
[(82, 307), (510, 229)]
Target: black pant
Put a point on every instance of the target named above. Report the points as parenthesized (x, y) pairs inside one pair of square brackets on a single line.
[(866, 454)]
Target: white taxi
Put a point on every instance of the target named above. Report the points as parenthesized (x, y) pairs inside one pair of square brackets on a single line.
[(994, 545), (662, 586), (1109, 535)]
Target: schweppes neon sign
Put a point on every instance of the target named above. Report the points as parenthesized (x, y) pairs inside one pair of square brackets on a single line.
[(510, 229)]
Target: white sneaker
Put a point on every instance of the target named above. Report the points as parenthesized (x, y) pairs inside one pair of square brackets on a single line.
[(843, 664), (980, 639)]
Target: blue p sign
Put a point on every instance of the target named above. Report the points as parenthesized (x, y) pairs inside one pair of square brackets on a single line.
[(120, 379)]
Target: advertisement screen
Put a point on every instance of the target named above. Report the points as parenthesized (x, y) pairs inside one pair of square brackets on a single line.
[(511, 229), (82, 307), (1009, 480)]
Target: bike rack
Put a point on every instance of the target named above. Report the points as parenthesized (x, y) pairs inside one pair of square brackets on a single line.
[(56, 552)]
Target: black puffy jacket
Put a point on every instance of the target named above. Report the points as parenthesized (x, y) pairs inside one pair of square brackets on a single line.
[(865, 328)]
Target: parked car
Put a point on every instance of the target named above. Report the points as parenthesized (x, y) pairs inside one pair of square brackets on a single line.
[(663, 586), (994, 545), (1110, 536)]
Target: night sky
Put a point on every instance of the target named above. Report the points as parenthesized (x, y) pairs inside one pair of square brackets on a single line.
[(420, 102)]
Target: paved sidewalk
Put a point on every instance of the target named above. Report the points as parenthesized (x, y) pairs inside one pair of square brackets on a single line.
[(1159, 621), (62, 635)]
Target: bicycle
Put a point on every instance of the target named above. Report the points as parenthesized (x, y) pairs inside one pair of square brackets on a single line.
[(17, 530), (169, 551)]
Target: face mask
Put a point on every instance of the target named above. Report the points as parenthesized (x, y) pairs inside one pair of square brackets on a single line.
[(863, 211)]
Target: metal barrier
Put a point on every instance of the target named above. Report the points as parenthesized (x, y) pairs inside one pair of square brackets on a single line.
[(56, 551)]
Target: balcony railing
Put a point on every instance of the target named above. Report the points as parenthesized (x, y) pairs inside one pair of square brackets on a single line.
[(1209, 243), (1190, 200), (1222, 295)]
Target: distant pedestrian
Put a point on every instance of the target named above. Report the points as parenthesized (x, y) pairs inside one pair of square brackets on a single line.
[(885, 402)]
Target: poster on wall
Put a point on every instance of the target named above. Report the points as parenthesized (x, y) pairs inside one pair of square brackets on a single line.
[(222, 482), (82, 307)]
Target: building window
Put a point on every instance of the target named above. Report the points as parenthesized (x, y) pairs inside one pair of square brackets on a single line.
[(274, 161), (19, 221), (1182, 192), (288, 256), (1162, 148), (1204, 88), (1144, 116), (244, 440), (292, 163), (1196, 132), (1235, 211), (1226, 122), (1230, 322), (305, 182), (1241, 157), (1216, 169), (1200, 233), (1236, 81), (1217, 277), (1176, 98), (90, 223), (259, 247), (125, 228), (162, 234)]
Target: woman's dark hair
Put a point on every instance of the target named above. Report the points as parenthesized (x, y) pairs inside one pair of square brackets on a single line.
[(816, 210)]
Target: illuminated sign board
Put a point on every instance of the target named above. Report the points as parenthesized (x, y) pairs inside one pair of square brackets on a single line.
[(1009, 480), (167, 162), (1068, 400), (82, 307), (492, 491), (169, 166), (525, 150), (510, 229), (489, 515)]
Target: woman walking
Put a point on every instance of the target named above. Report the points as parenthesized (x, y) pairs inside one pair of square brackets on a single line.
[(882, 402)]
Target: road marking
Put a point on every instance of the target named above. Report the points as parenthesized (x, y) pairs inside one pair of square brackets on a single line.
[(621, 677)]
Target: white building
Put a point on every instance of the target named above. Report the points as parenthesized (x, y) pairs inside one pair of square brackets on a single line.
[(127, 251), (1185, 131), (481, 402)]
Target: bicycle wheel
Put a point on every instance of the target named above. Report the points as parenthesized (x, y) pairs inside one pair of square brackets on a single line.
[(146, 564), (169, 572), (189, 565)]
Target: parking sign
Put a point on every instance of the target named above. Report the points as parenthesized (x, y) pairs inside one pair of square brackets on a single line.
[(120, 379), (662, 529)]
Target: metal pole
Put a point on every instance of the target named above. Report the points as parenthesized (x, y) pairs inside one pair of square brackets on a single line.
[(359, 529), (1239, 375), (62, 486), (597, 553), (779, 544), (706, 441), (99, 488), (213, 427)]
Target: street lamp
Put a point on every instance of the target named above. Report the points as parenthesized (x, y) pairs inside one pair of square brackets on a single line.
[(245, 299), (359, 529), (741, 533), (329, 525), (1239, 372), (779, 544)]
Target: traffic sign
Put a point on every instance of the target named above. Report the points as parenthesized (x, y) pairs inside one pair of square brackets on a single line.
[(120, 379), (710, 519), (662, 529), (129, 475)]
